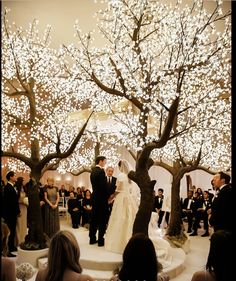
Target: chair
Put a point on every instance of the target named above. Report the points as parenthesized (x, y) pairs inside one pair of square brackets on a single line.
[(66, 206), (61, 207)]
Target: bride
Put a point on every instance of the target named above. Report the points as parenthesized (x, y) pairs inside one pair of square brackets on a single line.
[(123, 213), (125, 207)]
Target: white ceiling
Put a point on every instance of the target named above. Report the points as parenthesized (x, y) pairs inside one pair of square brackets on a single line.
[(62, 14)]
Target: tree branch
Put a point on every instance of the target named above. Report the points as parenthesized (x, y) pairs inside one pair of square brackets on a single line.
[(69, 151), (81, 171), (115, 92), (18, 156)]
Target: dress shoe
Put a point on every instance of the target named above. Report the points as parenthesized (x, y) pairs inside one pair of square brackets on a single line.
[(193, 234), (14, 249), (10, 255), (189, 231), (101, 242), (92, 242), (205, 234)]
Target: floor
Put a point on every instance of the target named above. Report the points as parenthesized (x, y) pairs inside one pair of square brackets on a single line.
[(195, 259)]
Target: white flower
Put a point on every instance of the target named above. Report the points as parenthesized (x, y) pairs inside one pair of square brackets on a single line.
[(25, 271)]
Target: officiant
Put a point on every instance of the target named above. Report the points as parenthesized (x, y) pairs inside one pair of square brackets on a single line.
[(111, 183)]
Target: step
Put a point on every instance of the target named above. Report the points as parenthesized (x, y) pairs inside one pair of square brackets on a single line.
[(99, 275), (100, 264)]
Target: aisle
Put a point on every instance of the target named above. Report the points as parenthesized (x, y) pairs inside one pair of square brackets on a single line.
[(196, 258)]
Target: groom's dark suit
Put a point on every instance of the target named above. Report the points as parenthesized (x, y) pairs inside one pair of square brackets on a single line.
[(99, 200)]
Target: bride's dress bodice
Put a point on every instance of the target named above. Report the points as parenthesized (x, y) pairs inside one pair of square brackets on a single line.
[(123, 184)]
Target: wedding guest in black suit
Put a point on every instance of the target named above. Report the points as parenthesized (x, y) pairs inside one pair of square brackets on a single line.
[(11, 210), (158, 205), (111, 183), (201, 214), (188, 209), (99, 202), (42, 202), (221, 215)]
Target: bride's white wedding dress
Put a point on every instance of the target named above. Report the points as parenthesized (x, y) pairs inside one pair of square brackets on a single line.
[(122, 217)]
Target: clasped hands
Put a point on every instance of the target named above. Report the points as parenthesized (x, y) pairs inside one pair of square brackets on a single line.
[(111, 198)]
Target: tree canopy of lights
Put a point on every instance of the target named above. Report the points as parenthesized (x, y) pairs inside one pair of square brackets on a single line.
[(168, 64), (155, 52), (158, 54), (36, 101)]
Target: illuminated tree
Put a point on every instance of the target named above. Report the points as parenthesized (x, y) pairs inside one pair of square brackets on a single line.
[(163, 60), (207, 150), (36, 102), (101, 138)]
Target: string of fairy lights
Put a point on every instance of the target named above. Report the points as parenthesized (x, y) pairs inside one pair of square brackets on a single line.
[(153, 52)]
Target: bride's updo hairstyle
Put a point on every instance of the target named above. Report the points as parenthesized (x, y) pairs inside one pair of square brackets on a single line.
[(125, 167)]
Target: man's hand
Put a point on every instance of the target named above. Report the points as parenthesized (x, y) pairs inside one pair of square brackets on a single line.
[(111, 199), (42, 203)]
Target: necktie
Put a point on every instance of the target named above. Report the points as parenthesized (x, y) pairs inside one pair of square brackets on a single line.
[(109, 179)]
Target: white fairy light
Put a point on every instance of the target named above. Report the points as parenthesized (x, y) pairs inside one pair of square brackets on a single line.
[(171, 41)]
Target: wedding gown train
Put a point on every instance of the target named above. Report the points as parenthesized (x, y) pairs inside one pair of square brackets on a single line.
[(120, 225)]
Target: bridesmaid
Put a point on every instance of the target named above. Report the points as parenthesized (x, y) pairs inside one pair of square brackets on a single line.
[(51, 195)]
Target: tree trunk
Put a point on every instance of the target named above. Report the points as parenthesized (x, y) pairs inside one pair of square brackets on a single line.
[(35, 239), (143, 215), (176, 224)]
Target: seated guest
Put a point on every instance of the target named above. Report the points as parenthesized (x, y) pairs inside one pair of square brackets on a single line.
[(63, 260), (74, 210), (140, 261), (87, 207), (219, 265), (202, 214), (8, 270)]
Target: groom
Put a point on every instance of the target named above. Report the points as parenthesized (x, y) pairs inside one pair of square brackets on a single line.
[(99, 202)]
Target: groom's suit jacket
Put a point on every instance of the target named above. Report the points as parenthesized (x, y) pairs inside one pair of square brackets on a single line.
[(100, 192)]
